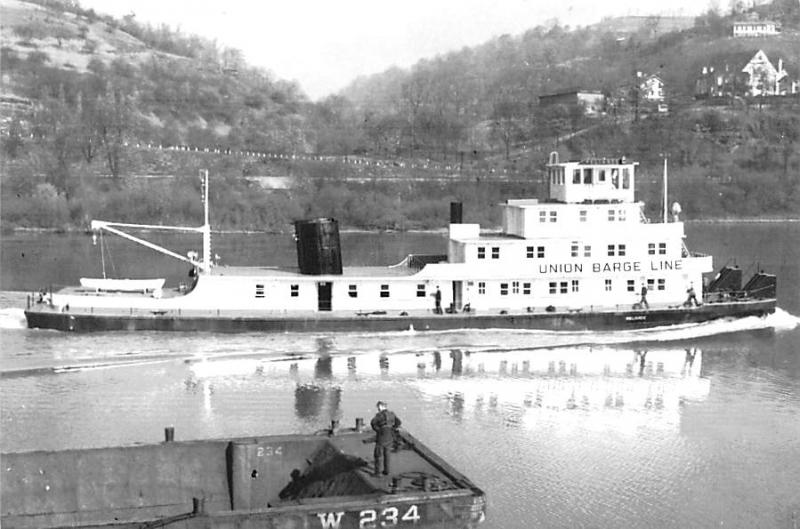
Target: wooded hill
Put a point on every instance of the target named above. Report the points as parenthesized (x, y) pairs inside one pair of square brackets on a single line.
[(89, 102)]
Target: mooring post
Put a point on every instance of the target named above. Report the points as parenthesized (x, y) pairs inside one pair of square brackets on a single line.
[(359, 424), (169, 434)]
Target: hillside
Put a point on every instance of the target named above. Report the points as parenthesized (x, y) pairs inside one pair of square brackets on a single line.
[(94, 107)]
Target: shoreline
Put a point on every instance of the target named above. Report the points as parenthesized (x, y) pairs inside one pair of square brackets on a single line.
[(65, 231)]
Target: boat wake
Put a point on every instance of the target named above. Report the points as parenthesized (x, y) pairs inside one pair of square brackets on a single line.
[(12, 318)]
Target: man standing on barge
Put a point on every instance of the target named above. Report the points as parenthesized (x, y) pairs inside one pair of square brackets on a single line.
[(385, 423)]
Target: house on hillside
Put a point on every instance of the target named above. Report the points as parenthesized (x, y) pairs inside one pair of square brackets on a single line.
[(755, 28), (592, 103), (743, 74), (764, 78), (651, 87)]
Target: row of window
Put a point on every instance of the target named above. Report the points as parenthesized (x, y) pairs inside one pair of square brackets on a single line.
[(352, 291), (614, 215), (613, 250), (588, 175), (505, 288)]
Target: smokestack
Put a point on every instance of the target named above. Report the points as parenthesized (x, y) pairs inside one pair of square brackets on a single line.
[(456, 213)]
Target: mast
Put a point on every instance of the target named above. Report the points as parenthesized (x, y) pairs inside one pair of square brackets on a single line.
[(207, 226), (666, 209), (204, 264)]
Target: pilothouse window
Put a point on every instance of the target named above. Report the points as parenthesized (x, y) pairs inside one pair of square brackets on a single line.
[(260, 291)]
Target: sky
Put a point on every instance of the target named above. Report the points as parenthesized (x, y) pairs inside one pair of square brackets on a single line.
[(324, 45)]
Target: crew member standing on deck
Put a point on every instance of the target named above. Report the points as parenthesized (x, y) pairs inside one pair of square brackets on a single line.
[(385, 423), (691, 298), (438, 298), (643, 302)]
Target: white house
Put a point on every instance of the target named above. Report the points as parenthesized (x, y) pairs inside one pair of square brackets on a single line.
[(764, 78), (755, 28), (652, 88)]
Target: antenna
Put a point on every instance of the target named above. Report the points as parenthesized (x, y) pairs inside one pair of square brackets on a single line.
[(665, 190), (206, 224)]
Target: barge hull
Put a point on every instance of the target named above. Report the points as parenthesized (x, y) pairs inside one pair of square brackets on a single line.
[(548, 321), (240, 483)]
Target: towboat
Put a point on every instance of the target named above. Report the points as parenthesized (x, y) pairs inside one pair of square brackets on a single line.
[(322, 480), (584, 258)]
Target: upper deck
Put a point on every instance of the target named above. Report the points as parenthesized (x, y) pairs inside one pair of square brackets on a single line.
[(591, 181)]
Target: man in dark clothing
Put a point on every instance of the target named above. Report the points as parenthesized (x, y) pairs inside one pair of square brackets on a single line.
[(643, 301), (385, 423), (438, 298)]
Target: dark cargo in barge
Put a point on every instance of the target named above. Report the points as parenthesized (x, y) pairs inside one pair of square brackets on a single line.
[(292, 481)]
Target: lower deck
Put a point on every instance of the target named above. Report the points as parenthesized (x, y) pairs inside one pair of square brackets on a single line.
[(555, 318)]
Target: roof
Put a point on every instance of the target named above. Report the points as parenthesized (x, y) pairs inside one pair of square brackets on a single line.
[(287, 273)]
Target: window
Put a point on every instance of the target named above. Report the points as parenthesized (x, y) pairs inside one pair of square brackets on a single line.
[(529, 252), (621, 215), (495, 252), (631, 285), (542, 216), (384, 291), (526, 288), (421, 290), (553, 287), (295, 290), (587, 176), (626, 178), (615, 178), (582, 215), (611, 215), (574, 249), (611, 250), (662, 284), (481, 287), (575, 285), (503, 289), (540, 252), (662, 248), (481, 252), (651, 284), (352, 291), (553, 216), (587, 251), (260, 291), (601, 175), (621, 250), (576, 176), (564, 287), (608, 285), (651, 248), (515, 287)]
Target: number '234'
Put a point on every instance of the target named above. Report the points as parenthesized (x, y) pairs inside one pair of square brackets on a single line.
[(370, 519)]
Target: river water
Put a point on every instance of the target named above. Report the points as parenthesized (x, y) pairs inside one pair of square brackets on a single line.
[(695, 426)]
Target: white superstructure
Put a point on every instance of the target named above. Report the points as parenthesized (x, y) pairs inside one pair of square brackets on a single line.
[(587, 247)]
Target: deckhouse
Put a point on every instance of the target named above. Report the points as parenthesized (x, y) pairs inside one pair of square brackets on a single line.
[(588, 245)]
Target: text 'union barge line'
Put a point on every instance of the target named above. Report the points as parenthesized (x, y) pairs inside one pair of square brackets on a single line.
[(586, 258)]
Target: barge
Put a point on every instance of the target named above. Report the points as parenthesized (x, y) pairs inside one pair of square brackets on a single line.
[(584, 258), (292, 481)]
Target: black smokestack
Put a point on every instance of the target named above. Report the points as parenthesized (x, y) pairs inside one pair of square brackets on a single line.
[(456, 213)]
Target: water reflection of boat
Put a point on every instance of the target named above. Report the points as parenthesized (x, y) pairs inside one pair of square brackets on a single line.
[(508, 383)]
